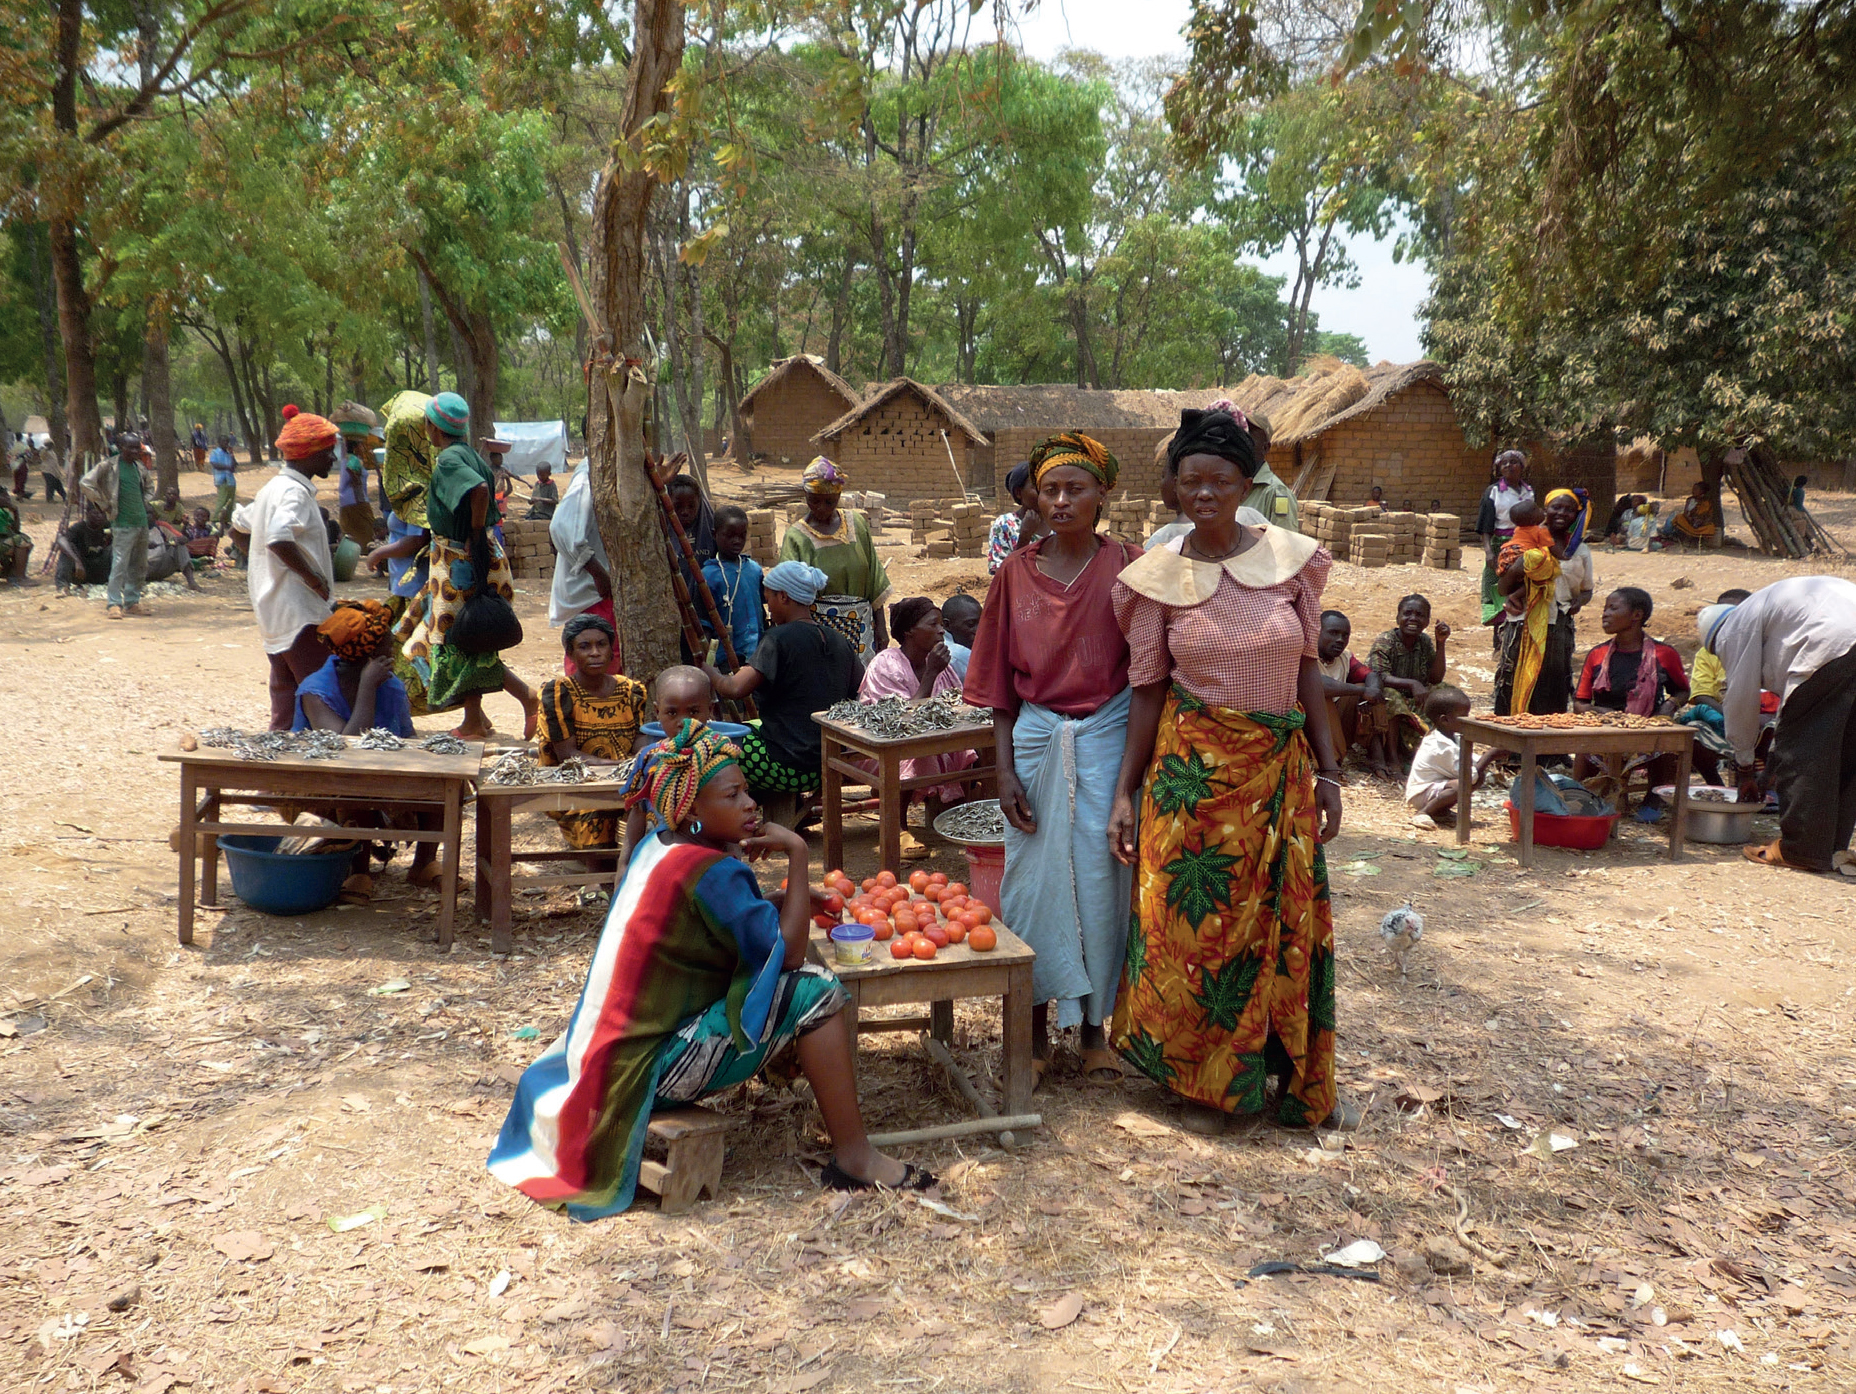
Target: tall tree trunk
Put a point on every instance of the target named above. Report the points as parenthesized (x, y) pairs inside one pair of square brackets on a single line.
[(160, 402), (473, 340), (80, 360), (624, 502), (47, 301), (840, 315), (431, 335), (119, 400)]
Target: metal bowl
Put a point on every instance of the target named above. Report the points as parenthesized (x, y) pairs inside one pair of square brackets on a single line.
[(962, 841), (1725, 824)]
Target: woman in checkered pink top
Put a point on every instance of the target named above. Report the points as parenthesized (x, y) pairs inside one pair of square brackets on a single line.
[(1229, 976)]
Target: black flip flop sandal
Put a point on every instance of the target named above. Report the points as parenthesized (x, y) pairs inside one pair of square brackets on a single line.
[(835, 1178)]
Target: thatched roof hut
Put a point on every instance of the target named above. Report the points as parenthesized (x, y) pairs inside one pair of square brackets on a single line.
[(905, 440), (784, 410)]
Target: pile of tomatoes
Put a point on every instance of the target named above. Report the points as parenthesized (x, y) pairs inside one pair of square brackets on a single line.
[(917, 918)]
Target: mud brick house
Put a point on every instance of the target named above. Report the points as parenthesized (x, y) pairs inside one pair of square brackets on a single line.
[(899, 439), (1014, 419), (797, 399)]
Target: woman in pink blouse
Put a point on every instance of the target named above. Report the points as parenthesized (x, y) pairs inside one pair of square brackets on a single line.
[(1229, 977)]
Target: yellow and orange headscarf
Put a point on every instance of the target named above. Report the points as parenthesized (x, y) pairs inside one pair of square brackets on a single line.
[(679, 769), (356, 628), (1075, 448), (306, 434)]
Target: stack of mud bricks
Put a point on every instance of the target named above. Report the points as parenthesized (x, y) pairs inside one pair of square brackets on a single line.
[(1370, 548), (763, 536), (1404, 529), (1329, 525), (928, 531), (531, 555), (972, 525), (1127, 519), (870, 504), (1443, 542)]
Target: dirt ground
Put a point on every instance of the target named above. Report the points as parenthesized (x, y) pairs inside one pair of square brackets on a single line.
[(1633, 1077)]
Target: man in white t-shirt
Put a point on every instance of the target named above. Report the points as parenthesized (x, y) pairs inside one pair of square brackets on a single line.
[(582, 580), (1431, 787), (291, 569)]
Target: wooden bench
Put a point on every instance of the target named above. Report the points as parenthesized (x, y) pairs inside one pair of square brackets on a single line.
[(692, 1164)]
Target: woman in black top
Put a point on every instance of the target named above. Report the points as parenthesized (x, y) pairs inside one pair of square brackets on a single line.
[(801, 667)]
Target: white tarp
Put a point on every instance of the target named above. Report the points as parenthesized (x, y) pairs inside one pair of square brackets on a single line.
[(535, 443)]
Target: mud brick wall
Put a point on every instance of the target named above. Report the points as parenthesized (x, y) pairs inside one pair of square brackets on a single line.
[(531, 555), (897, 450), (1410, 445), (1133, 447), (789, 413)]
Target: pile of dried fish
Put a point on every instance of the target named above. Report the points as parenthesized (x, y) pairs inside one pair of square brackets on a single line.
[(976, 823), (379, 738), (893, 718), (270, 745), (519, 767), (444, 743)]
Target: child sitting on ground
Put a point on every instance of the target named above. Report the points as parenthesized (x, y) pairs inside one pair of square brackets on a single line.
[(1431, 788), (199, 525), (734, 581), (681, 693)]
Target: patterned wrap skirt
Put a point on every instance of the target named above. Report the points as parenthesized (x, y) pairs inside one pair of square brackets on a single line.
[(447, 675), (1232, 941)]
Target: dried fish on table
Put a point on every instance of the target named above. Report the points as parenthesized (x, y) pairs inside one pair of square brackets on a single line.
[(271, 745), (519, 767), (379, 738), (894, 718), (443, 743), (978, 822)]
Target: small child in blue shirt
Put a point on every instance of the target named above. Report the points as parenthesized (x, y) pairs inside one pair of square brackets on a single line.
[(734, 581)]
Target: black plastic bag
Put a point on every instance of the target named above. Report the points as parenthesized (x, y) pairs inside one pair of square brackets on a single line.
[(485, 622)]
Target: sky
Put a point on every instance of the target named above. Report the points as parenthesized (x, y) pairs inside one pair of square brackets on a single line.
[(1383, 310)]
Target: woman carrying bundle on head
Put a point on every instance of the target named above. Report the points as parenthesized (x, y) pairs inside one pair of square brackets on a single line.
[(1052, 663), (1230, 964), (696, 982)]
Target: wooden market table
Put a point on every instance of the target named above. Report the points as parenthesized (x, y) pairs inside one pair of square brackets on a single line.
[(405, 780), (496, 886), (1531, 743), (955, 972), (836, 738)]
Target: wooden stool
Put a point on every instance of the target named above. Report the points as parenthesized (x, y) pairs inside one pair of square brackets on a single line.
[(692, 1139)]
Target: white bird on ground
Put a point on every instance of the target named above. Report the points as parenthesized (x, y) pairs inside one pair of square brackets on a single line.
[(1401, 928)]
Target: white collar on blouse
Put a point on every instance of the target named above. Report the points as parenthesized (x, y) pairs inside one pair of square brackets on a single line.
[(1168, 576)]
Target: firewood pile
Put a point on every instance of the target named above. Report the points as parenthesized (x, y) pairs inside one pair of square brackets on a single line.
[(1765, 499)]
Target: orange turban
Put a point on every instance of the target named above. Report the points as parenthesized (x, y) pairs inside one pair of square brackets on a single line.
[(356, 628), (306, 435)]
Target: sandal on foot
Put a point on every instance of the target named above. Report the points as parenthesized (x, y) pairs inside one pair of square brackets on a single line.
[(835, 1178), (358, 889), (913, 848), (1101, 1061), (1770, 854), (426, 875), (1039, 1068)]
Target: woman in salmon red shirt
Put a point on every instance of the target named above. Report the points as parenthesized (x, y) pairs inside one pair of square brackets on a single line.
[(1051, 662), (1631, 672)]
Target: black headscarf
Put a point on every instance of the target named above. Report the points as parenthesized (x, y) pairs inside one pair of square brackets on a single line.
[(579, 625), (904, 615), (1213, 433), (1019, 476)]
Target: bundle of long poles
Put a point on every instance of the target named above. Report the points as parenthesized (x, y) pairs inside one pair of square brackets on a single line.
[(677, 539)]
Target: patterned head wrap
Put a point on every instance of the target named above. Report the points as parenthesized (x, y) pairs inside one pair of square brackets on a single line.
[(823, 477), (356, 628), (904, 615), (358, 423), (579, 625), (449, 412), (1075, 448), (1216, 433), (796, 581), (1579, 524), (306, 435), (1230, 409), (682, 766)]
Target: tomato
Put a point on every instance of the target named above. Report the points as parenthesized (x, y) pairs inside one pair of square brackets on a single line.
[(924, 948), (953, 904), (983, 911), (834, 904), (824, 921), (956, 932), (937, 878), (881, 930), (957, 888), (933, 893), (886, 879), (901, 948), (918, 880), (907, 922), (935, 935), (982, 940)]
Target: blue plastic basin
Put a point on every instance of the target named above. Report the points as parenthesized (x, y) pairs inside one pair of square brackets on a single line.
[(728, 730), (267, 880)]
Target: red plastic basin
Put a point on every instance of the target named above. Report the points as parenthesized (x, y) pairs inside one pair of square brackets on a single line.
[(1564, 830)]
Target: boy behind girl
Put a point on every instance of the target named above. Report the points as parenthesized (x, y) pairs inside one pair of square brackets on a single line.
[(681, 693), (734, 581)]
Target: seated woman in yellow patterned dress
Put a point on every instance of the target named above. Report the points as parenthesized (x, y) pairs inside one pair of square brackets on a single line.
[(595, 716)]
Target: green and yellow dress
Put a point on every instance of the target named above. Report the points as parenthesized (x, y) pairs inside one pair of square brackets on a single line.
[(855, 579), (605, 728)]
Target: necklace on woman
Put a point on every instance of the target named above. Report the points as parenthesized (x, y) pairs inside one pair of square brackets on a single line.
[(1235, 548)]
